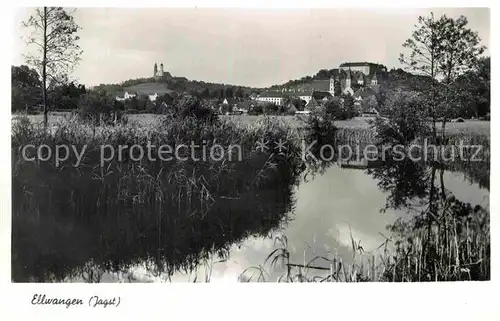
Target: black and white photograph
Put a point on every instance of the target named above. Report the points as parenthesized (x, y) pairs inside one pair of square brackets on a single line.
[(158, 145)]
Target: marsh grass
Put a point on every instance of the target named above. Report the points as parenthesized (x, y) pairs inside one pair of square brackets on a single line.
[(172, 215)]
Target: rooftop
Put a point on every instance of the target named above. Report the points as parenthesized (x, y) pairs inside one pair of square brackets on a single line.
[(358, 64)]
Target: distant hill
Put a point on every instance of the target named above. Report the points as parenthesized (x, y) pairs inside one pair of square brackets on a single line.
[(393, 79), (148, 88)]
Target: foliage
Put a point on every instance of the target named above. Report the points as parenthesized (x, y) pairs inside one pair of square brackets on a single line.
[(66, 96), (26, 87), (54, 35), (187, 106), (404, 119), (348, 107), (337, 90), (256, 109), (442, 49), (471, 91), (97, 109), (270, 109), (295, 101), (320, 130)]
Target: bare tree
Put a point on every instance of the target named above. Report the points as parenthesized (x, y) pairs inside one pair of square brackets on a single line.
[(53, 33)]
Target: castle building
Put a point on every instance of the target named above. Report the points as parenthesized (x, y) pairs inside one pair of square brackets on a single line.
[(367, 68), (347, 79)]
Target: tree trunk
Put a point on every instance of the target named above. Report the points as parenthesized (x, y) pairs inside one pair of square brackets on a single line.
[(441, 178), (44, 69)]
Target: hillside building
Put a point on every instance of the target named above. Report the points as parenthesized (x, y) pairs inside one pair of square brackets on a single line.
[(126, 96), (349, 78), (366, 68), (160, 74)]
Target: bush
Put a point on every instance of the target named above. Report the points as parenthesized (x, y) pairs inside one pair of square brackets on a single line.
[(270, 109), (257, 109), (188, 106), (320, 129), (99, 109), (405, 119)]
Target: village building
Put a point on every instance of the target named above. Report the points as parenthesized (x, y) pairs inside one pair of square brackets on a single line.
[(312, 104), (153, 97), (229, 101), (126, 96)]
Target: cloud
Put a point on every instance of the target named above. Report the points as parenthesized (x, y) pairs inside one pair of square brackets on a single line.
[(241, 46)]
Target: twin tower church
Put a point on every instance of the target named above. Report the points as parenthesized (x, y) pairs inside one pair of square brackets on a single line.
[(159, 74)]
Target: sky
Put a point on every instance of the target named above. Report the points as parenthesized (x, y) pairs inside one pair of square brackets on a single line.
[(251, 47)]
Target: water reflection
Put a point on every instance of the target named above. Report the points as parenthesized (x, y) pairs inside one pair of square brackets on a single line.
[(447, 237), (169, 222), (214, 230)]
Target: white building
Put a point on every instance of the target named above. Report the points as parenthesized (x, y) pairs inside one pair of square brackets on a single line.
[(126, 96), (153, 97), (271, 97), (367, 68), (278, 97)]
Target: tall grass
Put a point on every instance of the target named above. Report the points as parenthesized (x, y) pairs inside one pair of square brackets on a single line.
[(173, 214)]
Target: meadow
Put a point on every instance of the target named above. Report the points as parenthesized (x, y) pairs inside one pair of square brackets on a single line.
[(470, 126)]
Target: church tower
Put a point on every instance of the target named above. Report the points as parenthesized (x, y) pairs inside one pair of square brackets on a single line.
[(348, 79), (161, 70), (374, 81), (332, 86), (155, 70)]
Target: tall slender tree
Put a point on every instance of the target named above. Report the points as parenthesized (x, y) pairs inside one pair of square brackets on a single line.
[(54, 34), (425, 53), (442, 49), (461, 50)]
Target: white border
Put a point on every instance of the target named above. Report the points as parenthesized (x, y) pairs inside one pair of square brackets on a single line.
[(440, 301)]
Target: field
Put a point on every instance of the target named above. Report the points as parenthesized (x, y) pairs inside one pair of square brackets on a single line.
[(469, 126), (475, 126), (148, 88)]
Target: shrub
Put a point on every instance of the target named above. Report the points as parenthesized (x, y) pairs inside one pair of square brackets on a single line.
[(99, 109), (404, 119), (188, 106)]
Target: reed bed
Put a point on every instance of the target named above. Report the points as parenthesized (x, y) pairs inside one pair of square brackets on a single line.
[(172, 213)]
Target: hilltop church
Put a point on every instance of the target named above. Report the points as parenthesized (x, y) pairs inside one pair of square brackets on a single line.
[(159, 74)]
